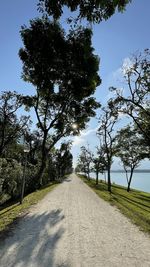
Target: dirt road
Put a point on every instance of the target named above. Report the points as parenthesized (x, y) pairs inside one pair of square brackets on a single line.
[(72, 227)]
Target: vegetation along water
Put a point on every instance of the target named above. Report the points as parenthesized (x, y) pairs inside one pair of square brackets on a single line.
[(140, 181)]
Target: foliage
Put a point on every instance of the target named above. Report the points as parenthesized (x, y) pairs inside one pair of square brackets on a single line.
[(130, 150), (58, 66), (32, 140), (85, 160), (144, 123), (63, 160), (99, 162), (107, 137), (14, 151), (93, 11), (11, 127), (135, 100), (10, 177)]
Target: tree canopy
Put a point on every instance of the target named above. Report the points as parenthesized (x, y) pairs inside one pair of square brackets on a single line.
[(11, 127), (130, 150), (64, 71), (93, 11), (135, 99)]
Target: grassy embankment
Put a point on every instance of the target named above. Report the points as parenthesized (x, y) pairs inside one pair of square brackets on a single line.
[(135, 205), (11, 211)]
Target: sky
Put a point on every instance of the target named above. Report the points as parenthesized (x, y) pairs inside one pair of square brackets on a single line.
[(114, 41)]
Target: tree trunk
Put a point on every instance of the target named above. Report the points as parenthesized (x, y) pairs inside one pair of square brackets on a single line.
[(130, 179), (43, 161), (105, 176), (23, 180), (88, 173), (96, 177), (109, 179)]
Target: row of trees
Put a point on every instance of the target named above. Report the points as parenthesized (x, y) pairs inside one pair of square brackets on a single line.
[(20, 160), (131, 143), (57, 65)]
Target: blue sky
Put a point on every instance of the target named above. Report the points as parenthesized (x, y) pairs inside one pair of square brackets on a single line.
[(114, 41)]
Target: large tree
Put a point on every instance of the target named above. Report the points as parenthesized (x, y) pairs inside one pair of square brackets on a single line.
[(93, 11), (63, 69)]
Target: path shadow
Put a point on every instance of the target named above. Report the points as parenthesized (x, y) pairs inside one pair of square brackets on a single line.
[(10, 208), (33, 241), (67, 180), (145, 198), (133, 202), (9, 203)]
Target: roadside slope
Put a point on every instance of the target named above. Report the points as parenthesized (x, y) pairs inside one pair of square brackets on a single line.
[(73, 227)]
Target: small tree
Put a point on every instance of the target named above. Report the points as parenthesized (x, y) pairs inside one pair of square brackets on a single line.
[(63, 159), (85, 161), (99, 162), (130, 150), (108, 139)]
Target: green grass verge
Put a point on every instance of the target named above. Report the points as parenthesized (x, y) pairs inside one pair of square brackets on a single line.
[(11, 212), (135, 205)]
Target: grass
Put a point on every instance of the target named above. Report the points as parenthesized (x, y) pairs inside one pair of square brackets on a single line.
[(135, 205), (10, 213)]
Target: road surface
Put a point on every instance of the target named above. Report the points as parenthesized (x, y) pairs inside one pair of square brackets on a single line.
[(73, 227)]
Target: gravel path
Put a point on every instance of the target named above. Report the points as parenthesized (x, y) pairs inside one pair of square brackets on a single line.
[(73, 227)]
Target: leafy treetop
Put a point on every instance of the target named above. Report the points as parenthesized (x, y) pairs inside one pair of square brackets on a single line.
[(93, 11)]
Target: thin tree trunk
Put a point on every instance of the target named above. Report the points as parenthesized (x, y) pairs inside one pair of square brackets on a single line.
[(105, 176), (109, 179), (96, 177), (43, 160), (130, 179), (23, 180), (126, 172), (88, 173)]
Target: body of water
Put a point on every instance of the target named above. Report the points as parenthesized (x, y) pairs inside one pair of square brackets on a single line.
[(140, 180)]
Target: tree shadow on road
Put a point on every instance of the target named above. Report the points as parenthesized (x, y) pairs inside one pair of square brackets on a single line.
[(34, 241)]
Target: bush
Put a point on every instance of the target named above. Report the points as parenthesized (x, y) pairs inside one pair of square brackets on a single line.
[(10, 177), (31, 183)]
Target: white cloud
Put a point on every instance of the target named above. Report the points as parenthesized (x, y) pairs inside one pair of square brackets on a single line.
[(127, 65), (117, 75), (121, 115), (78, 140)]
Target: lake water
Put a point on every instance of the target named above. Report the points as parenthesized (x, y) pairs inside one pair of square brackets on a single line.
[(140, 180)]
